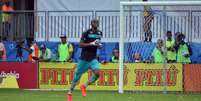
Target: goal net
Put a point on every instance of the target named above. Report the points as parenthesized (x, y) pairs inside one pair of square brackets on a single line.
[(150, 35)]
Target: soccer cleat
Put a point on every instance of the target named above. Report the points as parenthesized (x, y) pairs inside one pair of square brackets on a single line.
[(69, 97), (83, 90)]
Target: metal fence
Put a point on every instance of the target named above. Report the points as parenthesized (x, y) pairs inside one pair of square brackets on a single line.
[(16, 25), (49, 25)]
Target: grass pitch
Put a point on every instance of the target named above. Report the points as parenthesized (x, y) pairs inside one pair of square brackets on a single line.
[(25, 95)]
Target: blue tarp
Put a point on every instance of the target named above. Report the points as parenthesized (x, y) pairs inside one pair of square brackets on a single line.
[(145, 49)]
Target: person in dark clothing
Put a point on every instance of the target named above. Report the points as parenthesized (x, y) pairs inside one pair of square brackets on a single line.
[(90, 42)]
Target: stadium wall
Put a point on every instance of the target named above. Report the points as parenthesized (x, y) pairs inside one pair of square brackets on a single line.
[(192, 78), (57, 5), (77, 5), (137, 76), (25, 73)]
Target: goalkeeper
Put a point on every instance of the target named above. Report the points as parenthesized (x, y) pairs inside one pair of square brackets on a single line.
[(90, 42)]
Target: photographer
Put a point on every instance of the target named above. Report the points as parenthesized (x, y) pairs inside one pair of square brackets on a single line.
[(33, 50), (19, 47)]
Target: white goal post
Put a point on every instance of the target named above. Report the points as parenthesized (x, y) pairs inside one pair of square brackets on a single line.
[(124, 4)]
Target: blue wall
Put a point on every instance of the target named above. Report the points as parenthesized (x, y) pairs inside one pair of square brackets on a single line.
[(145, 49)]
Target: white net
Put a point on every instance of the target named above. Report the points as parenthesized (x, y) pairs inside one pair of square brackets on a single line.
[(152, 35)]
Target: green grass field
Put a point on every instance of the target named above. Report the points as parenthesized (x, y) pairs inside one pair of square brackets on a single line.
[(25, 95)]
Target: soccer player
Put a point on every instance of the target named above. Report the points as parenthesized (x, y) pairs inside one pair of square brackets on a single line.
[(90, 42)]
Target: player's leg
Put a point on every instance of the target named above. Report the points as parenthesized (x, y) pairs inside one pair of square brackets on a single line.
[(149, 36), (95, 67), (93, 78), (81, 68), (145, 29)]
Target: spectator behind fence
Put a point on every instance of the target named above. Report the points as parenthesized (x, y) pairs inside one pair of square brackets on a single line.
[(148, 17), (137, 58), (171, 51), (65, 50), (2, 51), (45, 53), (115, 55), (183, 50), (158, 51), (6, 18)]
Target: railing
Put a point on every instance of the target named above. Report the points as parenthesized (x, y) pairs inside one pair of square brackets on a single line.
[(19, 24), (49, 25)]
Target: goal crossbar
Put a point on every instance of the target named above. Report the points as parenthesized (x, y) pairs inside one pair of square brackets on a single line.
[(160, 3)]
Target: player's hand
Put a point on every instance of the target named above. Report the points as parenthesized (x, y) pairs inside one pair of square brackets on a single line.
[(96, 43), (93, 43), (99, 45)]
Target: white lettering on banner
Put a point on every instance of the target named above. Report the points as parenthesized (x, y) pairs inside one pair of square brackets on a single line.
[(3, 74)]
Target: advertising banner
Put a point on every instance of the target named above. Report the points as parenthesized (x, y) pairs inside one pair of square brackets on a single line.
[(192, 78), (153, 77), (25, 73), (145, 77)]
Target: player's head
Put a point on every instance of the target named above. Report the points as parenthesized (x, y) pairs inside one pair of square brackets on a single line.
[(63, 38), (144, 0), (31, 40), (159, 43), (180, 38), (42, 47), (137, 57), (176, 35), (115, 52), (94, 23), (169, 34)]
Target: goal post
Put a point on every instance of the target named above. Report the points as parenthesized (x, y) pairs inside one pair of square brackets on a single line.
[(123, 5)]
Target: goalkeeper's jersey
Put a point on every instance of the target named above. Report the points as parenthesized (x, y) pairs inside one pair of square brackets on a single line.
[(89, 53)]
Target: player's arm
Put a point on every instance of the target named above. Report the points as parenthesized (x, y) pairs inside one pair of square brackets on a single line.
[(30, 50), (83, 42), (100, 45), (94, 43)]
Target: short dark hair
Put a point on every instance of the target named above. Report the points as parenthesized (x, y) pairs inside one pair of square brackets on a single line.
[(169, 31), (94, 21)]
